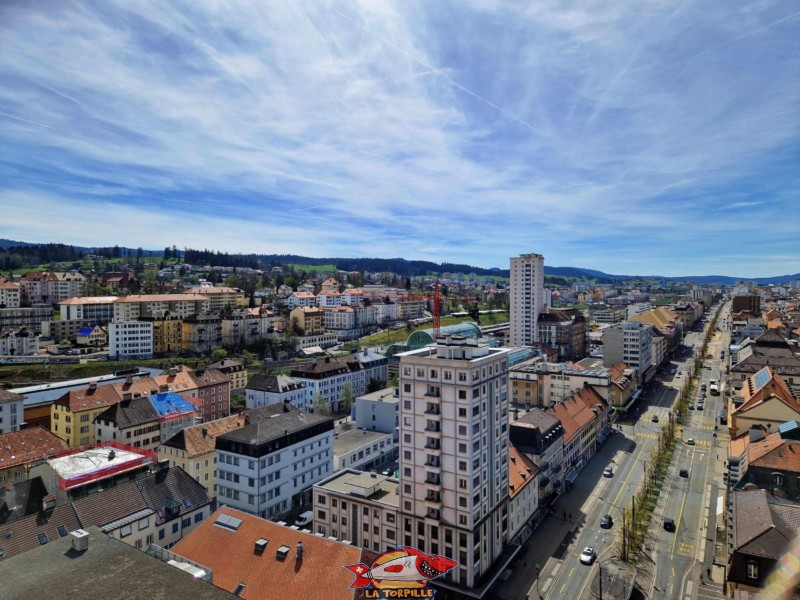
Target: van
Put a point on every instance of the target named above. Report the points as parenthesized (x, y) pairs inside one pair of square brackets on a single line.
[(304, 519)]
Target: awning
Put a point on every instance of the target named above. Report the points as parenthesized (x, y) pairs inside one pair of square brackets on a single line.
[(572, 475)]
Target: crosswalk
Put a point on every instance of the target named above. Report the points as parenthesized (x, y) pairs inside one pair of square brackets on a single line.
[(653, 436), (685, 549)]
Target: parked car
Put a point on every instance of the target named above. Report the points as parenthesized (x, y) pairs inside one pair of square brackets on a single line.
[(654, 419), (691, 407), (684, 473), (699, 406), (588, 555), (608, 472), (690, 442), (606, 522), (669, 524)]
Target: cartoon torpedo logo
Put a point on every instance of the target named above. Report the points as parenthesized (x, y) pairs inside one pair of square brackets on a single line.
[(403, 567)]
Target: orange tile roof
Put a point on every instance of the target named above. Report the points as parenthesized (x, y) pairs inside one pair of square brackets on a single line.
[(180, 383), (304, 295), (775, 387), (575, 412), (28, 445), (133, 298), (773, 452), (196, 443), (87, 399), (89, 300), (774, 324), (521, 470), (739, 445), (231, 555)]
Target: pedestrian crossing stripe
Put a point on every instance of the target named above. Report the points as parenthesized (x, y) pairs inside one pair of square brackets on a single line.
[(686, 549), (650, 436)]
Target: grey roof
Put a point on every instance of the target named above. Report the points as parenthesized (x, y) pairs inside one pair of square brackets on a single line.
[(109, 505), (274, 384), (6, 396), (129, 413), (132, 518), (22, 535), (387, 395), (50, 392), (273, 421), (110, 568), (168, 486), (346, 442), (759, 527), (226, 363)]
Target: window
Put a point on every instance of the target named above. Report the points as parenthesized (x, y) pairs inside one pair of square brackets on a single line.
[(161, 534), (175, 528), (777, 479), (125, 531), (143, 523), (752, 570)]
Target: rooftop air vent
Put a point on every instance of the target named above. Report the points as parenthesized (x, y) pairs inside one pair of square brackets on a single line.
[(282, 552), (261, 545)]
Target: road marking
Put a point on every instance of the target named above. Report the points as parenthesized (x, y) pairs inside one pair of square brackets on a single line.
[(670, 589), (561, 593), (547, 584), (680, 514), (571, 571), (673, 571)]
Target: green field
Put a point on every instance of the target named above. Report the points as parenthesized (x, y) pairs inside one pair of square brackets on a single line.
[(314, 268)]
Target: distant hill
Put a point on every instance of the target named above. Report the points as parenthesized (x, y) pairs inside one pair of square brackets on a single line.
[(400, 266)]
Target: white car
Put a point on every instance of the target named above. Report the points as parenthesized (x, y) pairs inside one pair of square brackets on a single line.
[(588, 556)]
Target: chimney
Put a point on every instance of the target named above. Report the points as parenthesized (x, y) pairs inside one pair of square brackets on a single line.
[(128, 379), (111, 454), (163, 388), (92, 385), (173, 371), (205, 431), (48, 502), (299, 550), (127, 396), (246, 419)]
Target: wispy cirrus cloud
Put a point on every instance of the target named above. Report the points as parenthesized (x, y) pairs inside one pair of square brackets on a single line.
[(656, 133)]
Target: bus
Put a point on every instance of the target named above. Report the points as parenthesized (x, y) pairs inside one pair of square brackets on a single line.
[(713, 389)]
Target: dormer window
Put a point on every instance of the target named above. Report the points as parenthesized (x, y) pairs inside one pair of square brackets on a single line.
[(752, 570)]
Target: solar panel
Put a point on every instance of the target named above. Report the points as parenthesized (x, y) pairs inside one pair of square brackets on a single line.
[(761, 378)]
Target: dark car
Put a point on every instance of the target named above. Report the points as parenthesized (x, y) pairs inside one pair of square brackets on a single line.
[(606, 522), (669, 524), (684, 473), (654, 419)]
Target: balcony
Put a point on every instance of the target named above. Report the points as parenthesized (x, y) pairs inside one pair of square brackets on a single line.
[(433, 410), (434, 479), (433, 428), (433, 462), (433, 496), (433, 445), (433, 513)]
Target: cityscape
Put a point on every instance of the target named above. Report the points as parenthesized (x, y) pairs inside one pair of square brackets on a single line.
[(332, 300), (546, 436)]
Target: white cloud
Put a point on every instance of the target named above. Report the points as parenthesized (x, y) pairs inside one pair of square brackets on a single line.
[(331, 125)]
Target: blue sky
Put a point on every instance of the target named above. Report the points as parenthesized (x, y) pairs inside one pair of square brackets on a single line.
[(630, 137)]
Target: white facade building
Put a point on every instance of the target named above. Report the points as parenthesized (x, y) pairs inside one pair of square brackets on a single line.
[(263, 390), (130, 340), (18, 341), (12, 411), (362, 449), (630, 342), (301, 299), (96, 309), (526, 298), (455, 454), (9, 294), (268, 467)]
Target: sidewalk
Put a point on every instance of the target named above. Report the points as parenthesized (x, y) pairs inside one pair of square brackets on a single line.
[(555, 537)]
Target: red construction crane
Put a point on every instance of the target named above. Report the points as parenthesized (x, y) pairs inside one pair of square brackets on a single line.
[(437, 308)]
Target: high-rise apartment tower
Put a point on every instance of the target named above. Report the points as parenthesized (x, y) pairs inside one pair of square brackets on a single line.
[(526, 297)]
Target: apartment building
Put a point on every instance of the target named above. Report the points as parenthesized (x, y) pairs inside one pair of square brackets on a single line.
[(340, 318), (361, 508), (455, 454), (220, 297), (27, 317), (167, 333), (240, 328), (379, 411), (23, 449), (524, 480), (526, 298), (410, 309), (18, 341), (51, 287), (130, 340), (12, 410), (629, 342), (328, 376), (362, 449), (212, 393), (130, 308), (202, 333), (233, 369), (10, 294), (539, 435), (564, 331), (308, 318), (72, 416), (194, 450), (97, 309), (268, 466), (296, 299), (263, 390), (329, 298)]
